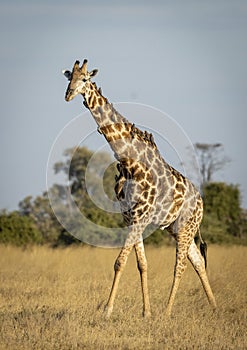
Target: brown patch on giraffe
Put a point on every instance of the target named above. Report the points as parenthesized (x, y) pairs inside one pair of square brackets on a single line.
[(145, 186), (136, 170), (142, 171), (178, 200), (184, 180), (151, 200), (125, 134), (153, 191), (180, 188), (94, 102), (140, 175), (109, 138), (109, 128), (100, 101), (140, 212), (149, 177), (145, 194), (118, 126), (146, 208), (128, 126), (168, 217), (89, 100)]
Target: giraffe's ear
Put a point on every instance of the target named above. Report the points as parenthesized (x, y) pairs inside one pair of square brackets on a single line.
[(93, 73), (67, 74)]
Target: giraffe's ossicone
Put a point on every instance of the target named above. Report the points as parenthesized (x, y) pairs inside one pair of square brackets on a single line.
[(149, 190)]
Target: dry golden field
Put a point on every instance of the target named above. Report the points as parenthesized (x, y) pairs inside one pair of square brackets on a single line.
[(49, 300)]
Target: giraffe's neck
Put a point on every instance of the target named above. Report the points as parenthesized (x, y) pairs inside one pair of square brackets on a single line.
[(116, 129), (128, 143), (102, 111)]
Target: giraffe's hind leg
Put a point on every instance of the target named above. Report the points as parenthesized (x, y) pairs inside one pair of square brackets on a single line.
[(180, 266), (198, 263), (184, 237)]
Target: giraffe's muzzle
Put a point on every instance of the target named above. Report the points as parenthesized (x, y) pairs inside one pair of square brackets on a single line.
[(69, 95)]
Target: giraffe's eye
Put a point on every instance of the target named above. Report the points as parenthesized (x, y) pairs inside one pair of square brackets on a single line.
[(84, 80)]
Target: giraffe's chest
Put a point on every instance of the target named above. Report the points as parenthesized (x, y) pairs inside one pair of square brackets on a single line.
[(135, 190)]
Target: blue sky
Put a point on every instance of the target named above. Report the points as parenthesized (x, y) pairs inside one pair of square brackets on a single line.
[(186, 58)]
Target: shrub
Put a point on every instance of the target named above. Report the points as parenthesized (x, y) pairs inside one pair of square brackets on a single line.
[(18, 230)]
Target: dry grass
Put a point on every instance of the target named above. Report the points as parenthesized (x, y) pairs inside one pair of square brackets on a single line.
[(49, 300)]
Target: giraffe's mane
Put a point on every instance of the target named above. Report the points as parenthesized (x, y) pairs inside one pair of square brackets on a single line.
[(143, 136), (98, 89)]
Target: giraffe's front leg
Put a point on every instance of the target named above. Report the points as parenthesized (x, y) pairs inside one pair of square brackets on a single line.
[(142, 267), (118, 268)]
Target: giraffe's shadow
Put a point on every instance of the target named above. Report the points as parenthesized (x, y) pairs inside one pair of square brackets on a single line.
[(100, 306)]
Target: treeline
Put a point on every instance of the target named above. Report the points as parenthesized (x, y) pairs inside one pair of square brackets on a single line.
[(35, 223)]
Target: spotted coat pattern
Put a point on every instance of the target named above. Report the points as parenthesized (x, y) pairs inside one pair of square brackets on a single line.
[(149, 190)]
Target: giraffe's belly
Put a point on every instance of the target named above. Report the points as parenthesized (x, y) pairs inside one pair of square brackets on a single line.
[(166, 214), (182, 208)]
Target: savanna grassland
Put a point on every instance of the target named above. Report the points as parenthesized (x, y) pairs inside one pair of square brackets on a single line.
[(53, 299)]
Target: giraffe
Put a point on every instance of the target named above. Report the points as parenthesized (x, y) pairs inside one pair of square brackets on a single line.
[(149, 190)]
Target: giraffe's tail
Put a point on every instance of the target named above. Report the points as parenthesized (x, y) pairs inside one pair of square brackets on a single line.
[(203, 248)]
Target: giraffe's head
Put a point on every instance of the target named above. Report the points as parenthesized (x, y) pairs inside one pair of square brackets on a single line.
[(77, 79)]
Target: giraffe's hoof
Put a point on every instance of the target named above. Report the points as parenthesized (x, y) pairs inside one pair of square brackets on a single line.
[(213, 304), (214, 308), (146, 315), (108, 311), (167, 313)]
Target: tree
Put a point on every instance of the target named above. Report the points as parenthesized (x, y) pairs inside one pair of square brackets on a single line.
[(85, 171), (40, 211), (211, 159), (91, 182)]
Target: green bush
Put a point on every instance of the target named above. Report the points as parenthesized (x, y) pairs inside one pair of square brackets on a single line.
[(18, 230), (224, 219)]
